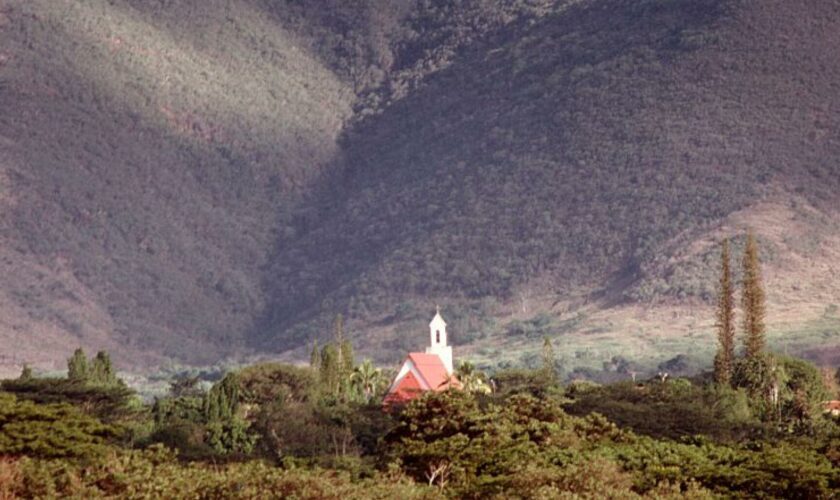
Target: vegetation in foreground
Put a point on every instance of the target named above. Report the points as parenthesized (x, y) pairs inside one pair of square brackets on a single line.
[(275, 430), (752, 428)]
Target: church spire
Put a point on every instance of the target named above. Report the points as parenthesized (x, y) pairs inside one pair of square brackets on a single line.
[(438, 342)]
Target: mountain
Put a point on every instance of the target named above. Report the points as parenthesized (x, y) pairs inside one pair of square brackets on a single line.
[(196, 180)]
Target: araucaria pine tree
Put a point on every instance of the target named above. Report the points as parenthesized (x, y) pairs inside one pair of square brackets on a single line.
[(335, 362), (222, 400), (329, 372), (752, 301), (344, 357), (548, 361), (77, 366), (315, 357), (725, 357), (101, 370), (338, 338)]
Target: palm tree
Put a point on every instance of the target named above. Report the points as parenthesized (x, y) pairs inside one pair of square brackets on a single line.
[(367, 379), (471, 379)]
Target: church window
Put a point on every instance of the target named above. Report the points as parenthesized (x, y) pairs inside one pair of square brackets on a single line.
[(437, 337)]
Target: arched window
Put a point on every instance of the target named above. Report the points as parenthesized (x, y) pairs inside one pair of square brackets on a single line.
[(437, 337)]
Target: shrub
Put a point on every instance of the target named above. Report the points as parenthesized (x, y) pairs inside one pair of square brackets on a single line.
[(155, 473), (53, 430)]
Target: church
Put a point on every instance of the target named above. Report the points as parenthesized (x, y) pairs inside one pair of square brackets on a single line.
[(425, 371)]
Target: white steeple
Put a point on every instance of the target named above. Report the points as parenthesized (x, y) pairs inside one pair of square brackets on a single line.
[(437, 341)]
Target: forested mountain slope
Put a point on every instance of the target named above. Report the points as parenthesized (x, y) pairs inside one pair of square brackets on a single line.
[(148, 151), (201, 179)]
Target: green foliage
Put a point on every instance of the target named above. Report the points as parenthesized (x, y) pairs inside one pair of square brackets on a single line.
[(702, 441), (230, 436), (226, 432), (178, 409), (725, 321), (222, 402), (447, 438), (549, 361), (102, 371), (330, 369), (336, 363), (185, 386), (580, 387), (109, 403), (434, 435), (760, 472), (347, 366), (522, 444), (268, 383), (217, 424), (292, 414), (178, 424), (26, 373), (675, 409), (99, 371), (752, 302), (291, 429), (368, 381), (77, 369), (802, 393), (522, 381), (315, 356), (762, 378), (50, 430), (155, 473), (472, 380)]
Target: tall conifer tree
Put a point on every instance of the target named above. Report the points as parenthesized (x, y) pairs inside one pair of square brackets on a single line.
[(335, 361), (752, 301), (77, 366), (725, 357), (329, 372), (222, 400), (101, 370), (26, 373), (338, 338), (315, 356), (347, 359), (548, 361)]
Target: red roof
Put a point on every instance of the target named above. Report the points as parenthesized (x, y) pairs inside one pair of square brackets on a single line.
[(408, 389), (432, 376), (832, 405), (431, 369)]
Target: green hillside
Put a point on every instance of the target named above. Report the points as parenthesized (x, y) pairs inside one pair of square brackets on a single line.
[(575, 153), (207, 179), (149, 152)]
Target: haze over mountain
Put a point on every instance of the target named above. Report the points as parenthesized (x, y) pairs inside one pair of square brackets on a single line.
[(199, 180)]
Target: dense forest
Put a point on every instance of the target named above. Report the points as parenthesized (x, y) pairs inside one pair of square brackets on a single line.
[(627, 210), (213, 191), (282, 431), (202, 180), (759, 424)]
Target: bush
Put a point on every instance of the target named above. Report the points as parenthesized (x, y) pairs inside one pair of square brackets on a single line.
[(50, 431), (673, 410), (155, 473)]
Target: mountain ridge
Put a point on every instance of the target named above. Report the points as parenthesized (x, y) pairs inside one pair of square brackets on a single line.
[(220, 180)]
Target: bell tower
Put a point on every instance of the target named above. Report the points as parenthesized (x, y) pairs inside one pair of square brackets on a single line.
[(437, 341)]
